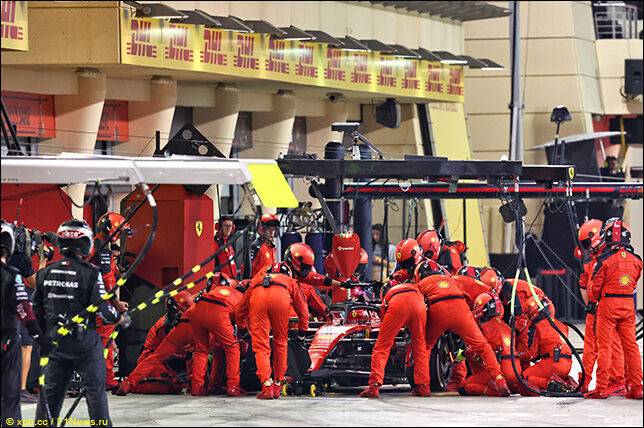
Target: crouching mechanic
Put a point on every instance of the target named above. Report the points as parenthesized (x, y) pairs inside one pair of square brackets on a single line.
[(266, 305), (488, 312), (448, 311), (214, 315), (612, 285), (15, 307), (402, 306), (64, 289)]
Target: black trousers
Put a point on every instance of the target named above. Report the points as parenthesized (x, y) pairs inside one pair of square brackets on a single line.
[(10, 373), (86, 357)]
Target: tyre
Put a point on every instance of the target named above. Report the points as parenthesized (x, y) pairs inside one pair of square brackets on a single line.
[(440, 365)]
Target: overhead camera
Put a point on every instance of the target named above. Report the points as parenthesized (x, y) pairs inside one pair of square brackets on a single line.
[(334, 97)]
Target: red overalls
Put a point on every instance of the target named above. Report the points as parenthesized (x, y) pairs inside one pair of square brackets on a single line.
[(612, 284), (403, 306), (214, 315), (229, 269), (266, 305), (263, 254), (449, 311)]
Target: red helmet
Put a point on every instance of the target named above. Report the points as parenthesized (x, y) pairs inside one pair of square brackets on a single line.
[(431, 242), (408, 253), (486, 307), (616, 231), (532, 307), (221, 278), (590, 235), (428, 268), (491, 277), (184, 300), (300, 258), (109, 222), (269, 220), (470, 271)]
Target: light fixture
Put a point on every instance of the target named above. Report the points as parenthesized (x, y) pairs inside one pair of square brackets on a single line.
[(322, 37), (473, 63), (377, 45), (491, 65), (351, 44), (197, 17), (154, 10), (448, 58), (294, 33), (232, 24), (264, 27), (426, 55), (404, 52), (88, 72)]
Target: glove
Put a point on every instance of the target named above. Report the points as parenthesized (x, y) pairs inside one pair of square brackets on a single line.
[(591, 308), (125, 321), (46, 345), (51, 237)]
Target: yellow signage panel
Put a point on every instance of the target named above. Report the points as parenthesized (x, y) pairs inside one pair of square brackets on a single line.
[(158, 43), (14, 30), (271, 186)]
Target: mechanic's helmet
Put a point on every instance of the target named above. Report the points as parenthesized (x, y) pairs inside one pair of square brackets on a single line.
[(408, 253), (358, 316), (300, 258), (616, 231), (283, 268), (532, 307), (269, 220), (108, 223), (8, 239), (75, 237), (427, 268), (184, 300), (486, 307), (431, 242), (470, 271), (362, 266), (491, 277), (590, 236), (221, 278)]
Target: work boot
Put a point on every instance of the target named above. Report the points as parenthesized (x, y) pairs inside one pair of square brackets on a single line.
[(616, 389), (597, 394), (502, 386), (558, 386), (634, 392), (267, 391), (122, 390), (277, 390), (372, 391), (235, 391), (421, 391)]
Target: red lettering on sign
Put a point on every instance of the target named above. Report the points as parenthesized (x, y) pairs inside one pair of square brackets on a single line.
[(178, 49), (305, 65), (360, 73), (386, 75), (140, 44), (433, 83), (7, 29), (410, 81), (244, 58), (8, 11), (276, 61), (211, 53), (455, 86), (333, 69), (33, 114)]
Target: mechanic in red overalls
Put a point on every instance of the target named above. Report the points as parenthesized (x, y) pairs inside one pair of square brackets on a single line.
[(612, 284), (448, 253), (545, 345), (408, 255), (262, 251), (214, 316), (105, 227), (266, 305), (488, 312), (617, 383), (403, 306), (225, 228), (491, 277), (448, 311), (468, 279)]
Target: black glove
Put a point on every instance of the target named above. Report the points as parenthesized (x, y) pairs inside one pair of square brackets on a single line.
[(591, 308), (46, 345), (51, 237)]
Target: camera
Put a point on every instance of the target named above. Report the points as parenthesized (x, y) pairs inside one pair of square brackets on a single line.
[(334, 97)]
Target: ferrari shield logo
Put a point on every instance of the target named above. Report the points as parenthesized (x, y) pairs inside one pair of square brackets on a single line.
[(571, 172), (199, 227)]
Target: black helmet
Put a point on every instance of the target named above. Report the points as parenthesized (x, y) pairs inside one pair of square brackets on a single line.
[(8, 238), (75, 237)]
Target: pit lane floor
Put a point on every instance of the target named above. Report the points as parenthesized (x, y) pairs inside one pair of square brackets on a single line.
[(346, 409)]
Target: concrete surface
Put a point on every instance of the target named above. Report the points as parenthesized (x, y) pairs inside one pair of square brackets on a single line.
[(392, 409)]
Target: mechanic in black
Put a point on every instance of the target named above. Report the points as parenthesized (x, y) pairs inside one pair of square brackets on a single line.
[(15, 307), (65, 289)]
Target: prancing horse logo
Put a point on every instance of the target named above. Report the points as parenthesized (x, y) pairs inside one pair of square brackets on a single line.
[(199, 227)]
